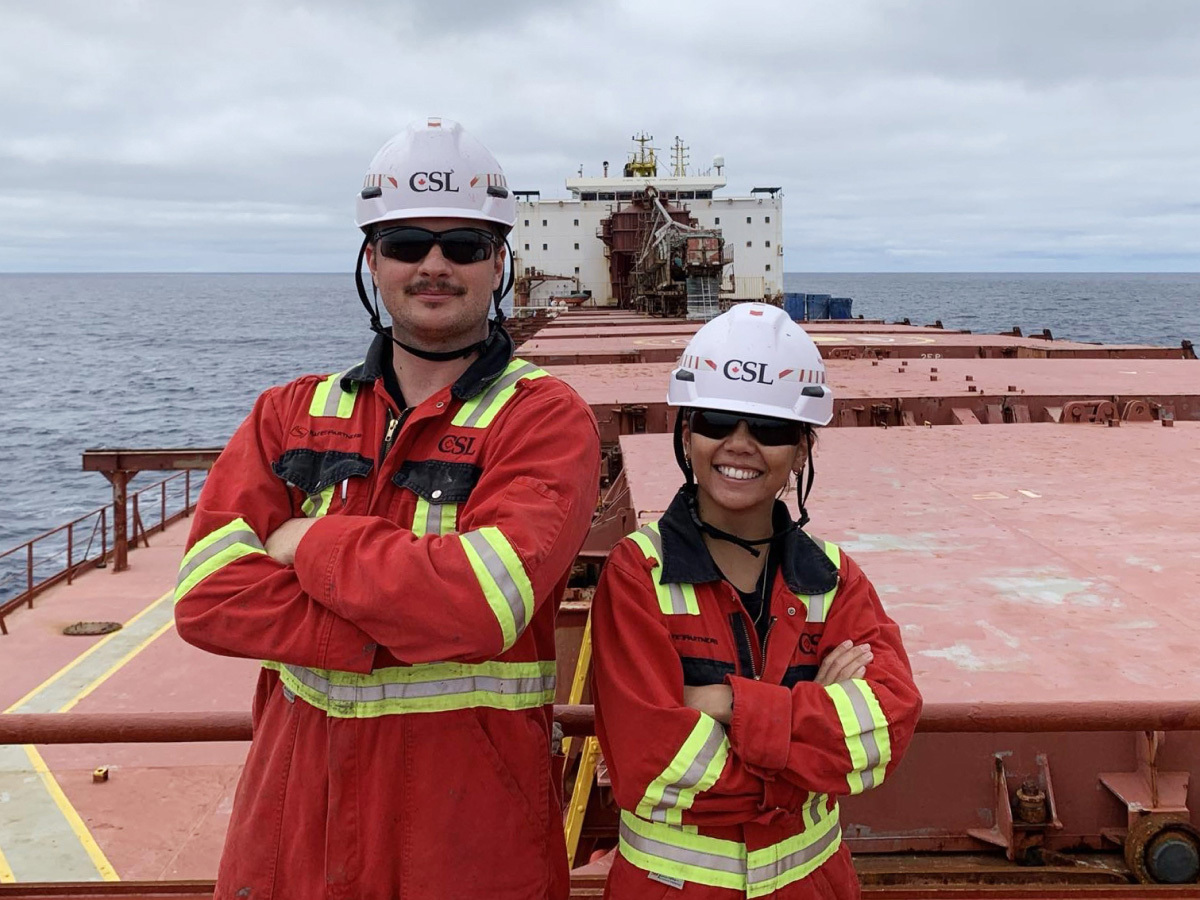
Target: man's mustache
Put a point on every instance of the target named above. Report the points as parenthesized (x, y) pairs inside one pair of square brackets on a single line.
[(428, 286)]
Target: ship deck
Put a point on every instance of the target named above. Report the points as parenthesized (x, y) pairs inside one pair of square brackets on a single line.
[(164, 808), (1008, 577), (845, 341), (1042, 565), (631, 398)]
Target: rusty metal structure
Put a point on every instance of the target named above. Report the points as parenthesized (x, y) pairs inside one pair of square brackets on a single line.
[(661, 262), (641, 239), (1023, 505), (530, 278)]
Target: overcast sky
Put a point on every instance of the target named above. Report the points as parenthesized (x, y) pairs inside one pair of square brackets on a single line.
[(923, 135)]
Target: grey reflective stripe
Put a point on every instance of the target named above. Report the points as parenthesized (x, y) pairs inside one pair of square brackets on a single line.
[(496, 568), (674, 590), (333, 399), (684, 855), (433, 519), (690, 778), (866, 731), (234, 537), (655, 539), (373, 693), (816, 608), (780, 867), (483, 402), (815, 806)]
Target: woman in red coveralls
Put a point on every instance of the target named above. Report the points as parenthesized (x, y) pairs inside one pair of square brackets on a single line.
[(745, 673)]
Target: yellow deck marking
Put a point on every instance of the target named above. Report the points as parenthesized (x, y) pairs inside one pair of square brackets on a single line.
[(103, 866), (54, 697), (104, 641), (70, 704)]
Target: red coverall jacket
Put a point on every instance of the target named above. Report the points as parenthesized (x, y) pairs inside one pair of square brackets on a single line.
[(762, 793), (402, 719)]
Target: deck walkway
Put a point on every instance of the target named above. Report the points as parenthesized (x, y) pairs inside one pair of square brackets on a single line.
[(163, 811)]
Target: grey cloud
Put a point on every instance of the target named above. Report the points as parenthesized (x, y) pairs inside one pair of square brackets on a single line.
[(905, 134)]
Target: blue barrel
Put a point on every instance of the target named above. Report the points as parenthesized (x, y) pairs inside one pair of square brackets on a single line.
[(793, 305), (839, 307), (818, 306)]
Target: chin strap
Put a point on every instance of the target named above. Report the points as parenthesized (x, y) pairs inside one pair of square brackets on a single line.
[(801, 499), (494, 327), (750, 546)]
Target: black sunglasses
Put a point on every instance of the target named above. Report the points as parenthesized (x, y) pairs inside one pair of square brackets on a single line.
[(768, 431), (410, 244)]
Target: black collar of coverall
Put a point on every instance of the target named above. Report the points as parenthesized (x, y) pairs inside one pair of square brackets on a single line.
[(485, 369), (805, 567)]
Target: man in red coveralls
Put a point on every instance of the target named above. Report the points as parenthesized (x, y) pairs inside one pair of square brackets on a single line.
[(393, 541)]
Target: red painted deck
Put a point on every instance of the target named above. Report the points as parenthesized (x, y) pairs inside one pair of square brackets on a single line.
[(1043, 386), (1039, 563), (672, 327), (1036, 563), (163, 812), (840, 343)]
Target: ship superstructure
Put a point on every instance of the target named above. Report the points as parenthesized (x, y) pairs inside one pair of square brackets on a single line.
[(570, 247)]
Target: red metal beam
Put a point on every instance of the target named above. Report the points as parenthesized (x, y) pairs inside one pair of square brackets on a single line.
[(149, 459), (946, 718)]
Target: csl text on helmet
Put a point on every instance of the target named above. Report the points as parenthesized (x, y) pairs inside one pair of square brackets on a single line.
[(738, 370), (422, 182)]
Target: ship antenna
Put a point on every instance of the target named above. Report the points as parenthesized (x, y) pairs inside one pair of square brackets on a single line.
[(680, 150)]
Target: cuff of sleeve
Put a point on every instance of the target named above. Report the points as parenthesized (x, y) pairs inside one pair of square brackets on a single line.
[(317, 555), (760, 731)]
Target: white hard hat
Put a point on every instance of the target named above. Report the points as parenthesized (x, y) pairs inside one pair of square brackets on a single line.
[(434, 169), (753, 359)]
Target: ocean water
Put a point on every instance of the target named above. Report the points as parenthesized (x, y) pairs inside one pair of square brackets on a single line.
[(176, 360)]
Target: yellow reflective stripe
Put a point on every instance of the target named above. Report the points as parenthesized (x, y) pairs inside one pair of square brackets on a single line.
[(668, 850), (330, 400), (695, 768), (318, 504), (432, 687), (866, 730), (834, 552), (674, 599), (677, 852), (813, 809), (434, 518), (876, 739), (214, 551), (774, 867), (818, 605), (481, 410), (645, 546), (502, 578)]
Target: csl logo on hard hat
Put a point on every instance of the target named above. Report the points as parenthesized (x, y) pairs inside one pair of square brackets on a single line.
[(737, 370), (421, 182)]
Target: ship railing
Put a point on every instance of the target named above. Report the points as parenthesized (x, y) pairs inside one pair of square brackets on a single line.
[(578, 720), (928, 880), (61, 553)]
